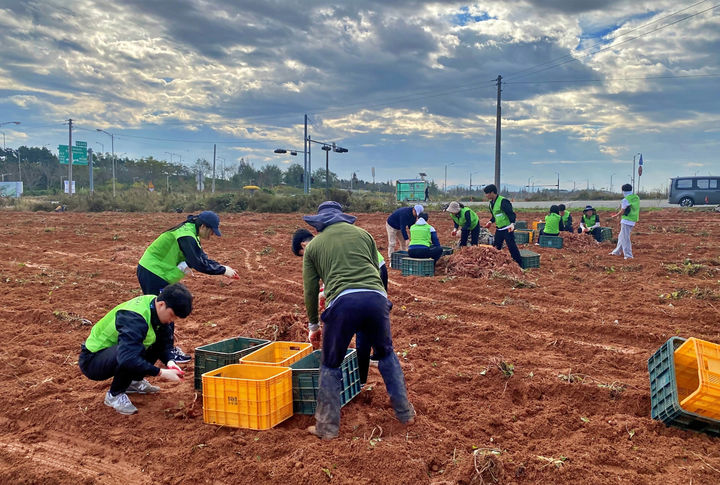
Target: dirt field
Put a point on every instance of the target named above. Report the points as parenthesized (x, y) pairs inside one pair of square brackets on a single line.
[(578, 332)]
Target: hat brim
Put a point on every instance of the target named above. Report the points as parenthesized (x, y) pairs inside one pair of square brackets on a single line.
[(216, 231)]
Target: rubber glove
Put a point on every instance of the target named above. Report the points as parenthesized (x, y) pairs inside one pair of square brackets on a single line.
[(231, 273), (171, 375)]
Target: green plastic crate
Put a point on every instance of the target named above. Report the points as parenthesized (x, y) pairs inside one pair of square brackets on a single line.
[(219, 354), (521, 225), (447, 251), (306, 381), (529, 259), (605, 234), (396, 259), (418, 267), (551, 241), (522, 237), (664, 402)]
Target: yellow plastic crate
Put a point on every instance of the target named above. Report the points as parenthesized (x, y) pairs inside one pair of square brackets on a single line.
[(280, 354), (697, 372), (247, 396)]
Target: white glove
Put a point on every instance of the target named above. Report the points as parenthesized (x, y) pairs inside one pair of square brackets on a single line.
[(185, 268), (511, 228), (230, 273), (172, 365)]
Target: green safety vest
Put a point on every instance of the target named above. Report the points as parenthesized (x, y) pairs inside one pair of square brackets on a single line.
[(380, 259), (634, 214), (420, 235), (104, 334), (163, 255), (501, 219), (552, 223), (459, 219), (589, 221), (565, 217)]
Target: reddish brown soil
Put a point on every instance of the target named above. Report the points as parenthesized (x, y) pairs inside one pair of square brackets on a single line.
[(587, 315)]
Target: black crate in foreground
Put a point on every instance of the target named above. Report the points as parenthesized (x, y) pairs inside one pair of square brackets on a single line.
[(219, 354), (306, 381), (529, 259), (664, 401)]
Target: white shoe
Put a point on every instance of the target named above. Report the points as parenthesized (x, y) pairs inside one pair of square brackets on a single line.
[(121, 403)]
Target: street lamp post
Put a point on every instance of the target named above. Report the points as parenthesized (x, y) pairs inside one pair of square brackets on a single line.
[(558, 183), (446, 166), (611, 182), (633, 172), (2, 123), (471, 174), (112, 144), (294, 154)]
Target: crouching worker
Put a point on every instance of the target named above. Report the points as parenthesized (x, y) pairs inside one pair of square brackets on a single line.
[(344, 257), (125, 344), (424, 242), (552, 222), (590, 223)]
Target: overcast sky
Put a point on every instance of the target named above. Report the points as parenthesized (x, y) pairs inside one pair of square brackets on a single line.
[(407, 86)]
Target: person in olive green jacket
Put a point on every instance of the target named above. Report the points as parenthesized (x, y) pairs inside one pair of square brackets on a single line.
[(125, 344), (175, 254), (630, 210)]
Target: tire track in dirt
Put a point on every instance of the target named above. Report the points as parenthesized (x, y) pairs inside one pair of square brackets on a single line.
[(74, 460)]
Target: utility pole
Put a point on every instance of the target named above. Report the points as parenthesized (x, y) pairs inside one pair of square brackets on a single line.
[(70, 157), (306, 178), (497, 133), (214, 153), (558, 184)]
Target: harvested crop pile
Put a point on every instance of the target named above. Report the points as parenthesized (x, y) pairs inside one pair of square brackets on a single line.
[(480, 262), (577, 242)]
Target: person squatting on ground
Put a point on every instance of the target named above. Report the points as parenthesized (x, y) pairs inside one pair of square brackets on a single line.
[(552, 222), (300, 239), (343, 256), (566, 223), (590, 223), (503, 216), (466, 221), (424, 242), (175, 254), (397, 224), (125, 344), (630, 210)]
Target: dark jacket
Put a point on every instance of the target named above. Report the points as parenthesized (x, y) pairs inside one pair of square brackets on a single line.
[(506, 207), (132, 330), (401, 219), (196, 258)]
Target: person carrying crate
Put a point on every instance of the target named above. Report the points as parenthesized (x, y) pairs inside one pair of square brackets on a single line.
[(344, 256), (503, 215), (125, 344)]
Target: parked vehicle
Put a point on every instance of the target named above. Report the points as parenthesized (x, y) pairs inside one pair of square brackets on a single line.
[(690, 191)]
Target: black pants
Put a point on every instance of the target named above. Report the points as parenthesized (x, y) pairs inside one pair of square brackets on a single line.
[(509, 238), (433, 252), (150, 283), (474, 236), (543, 233), (103, 364), (595, 233), (384, 276)]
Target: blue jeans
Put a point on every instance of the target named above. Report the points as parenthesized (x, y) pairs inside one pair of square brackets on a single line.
[(366, 314)]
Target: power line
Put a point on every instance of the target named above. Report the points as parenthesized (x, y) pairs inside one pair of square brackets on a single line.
[(615, 79)]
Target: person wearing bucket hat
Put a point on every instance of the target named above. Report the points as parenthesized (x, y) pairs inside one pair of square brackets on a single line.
[(176, 253), (590, 223), (126, 343), (397, 224), (466, 221), (344, 257)]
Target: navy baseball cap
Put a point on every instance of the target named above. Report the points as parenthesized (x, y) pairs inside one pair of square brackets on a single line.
[(211, 220)]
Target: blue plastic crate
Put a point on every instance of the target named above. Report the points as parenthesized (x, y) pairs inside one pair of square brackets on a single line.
[(396, 259), (306, 381), (664, 402), (418, 267), (219, 354), (550, 241)]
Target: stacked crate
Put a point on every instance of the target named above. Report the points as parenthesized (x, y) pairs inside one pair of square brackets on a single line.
[(418, 267), (396, 259)]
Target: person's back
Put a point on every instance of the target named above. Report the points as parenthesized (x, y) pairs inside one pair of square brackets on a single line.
[(552, 224)]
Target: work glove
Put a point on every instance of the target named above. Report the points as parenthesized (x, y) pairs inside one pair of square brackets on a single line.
[(183, 266), (173, 375), (231, 273), (511, 228), (172, 365)]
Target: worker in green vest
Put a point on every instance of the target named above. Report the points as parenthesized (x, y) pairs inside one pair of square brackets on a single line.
[(424, 242), (566, 223), (552, 222), (503, 215), (175, 254), (125, 344), (466, 221), (590, 223), (630, 210)]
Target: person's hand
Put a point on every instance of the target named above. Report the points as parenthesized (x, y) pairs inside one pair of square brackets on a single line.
[(488, 224), (315, 338), (172, 365), (454, 232), (511, 228), (231, 273), (173, 375), (183, 266)]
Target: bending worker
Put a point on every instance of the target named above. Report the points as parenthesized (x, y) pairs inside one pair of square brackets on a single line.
[(424, 242), (465, 220), (397, 224), (175, 253), (504, 218), (343, 256), (126, 343)]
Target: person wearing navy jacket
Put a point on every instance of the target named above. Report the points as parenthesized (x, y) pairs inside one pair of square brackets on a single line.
[(397, 225)]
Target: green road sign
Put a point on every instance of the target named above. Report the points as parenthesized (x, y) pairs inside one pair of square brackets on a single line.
[(79, 154)]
